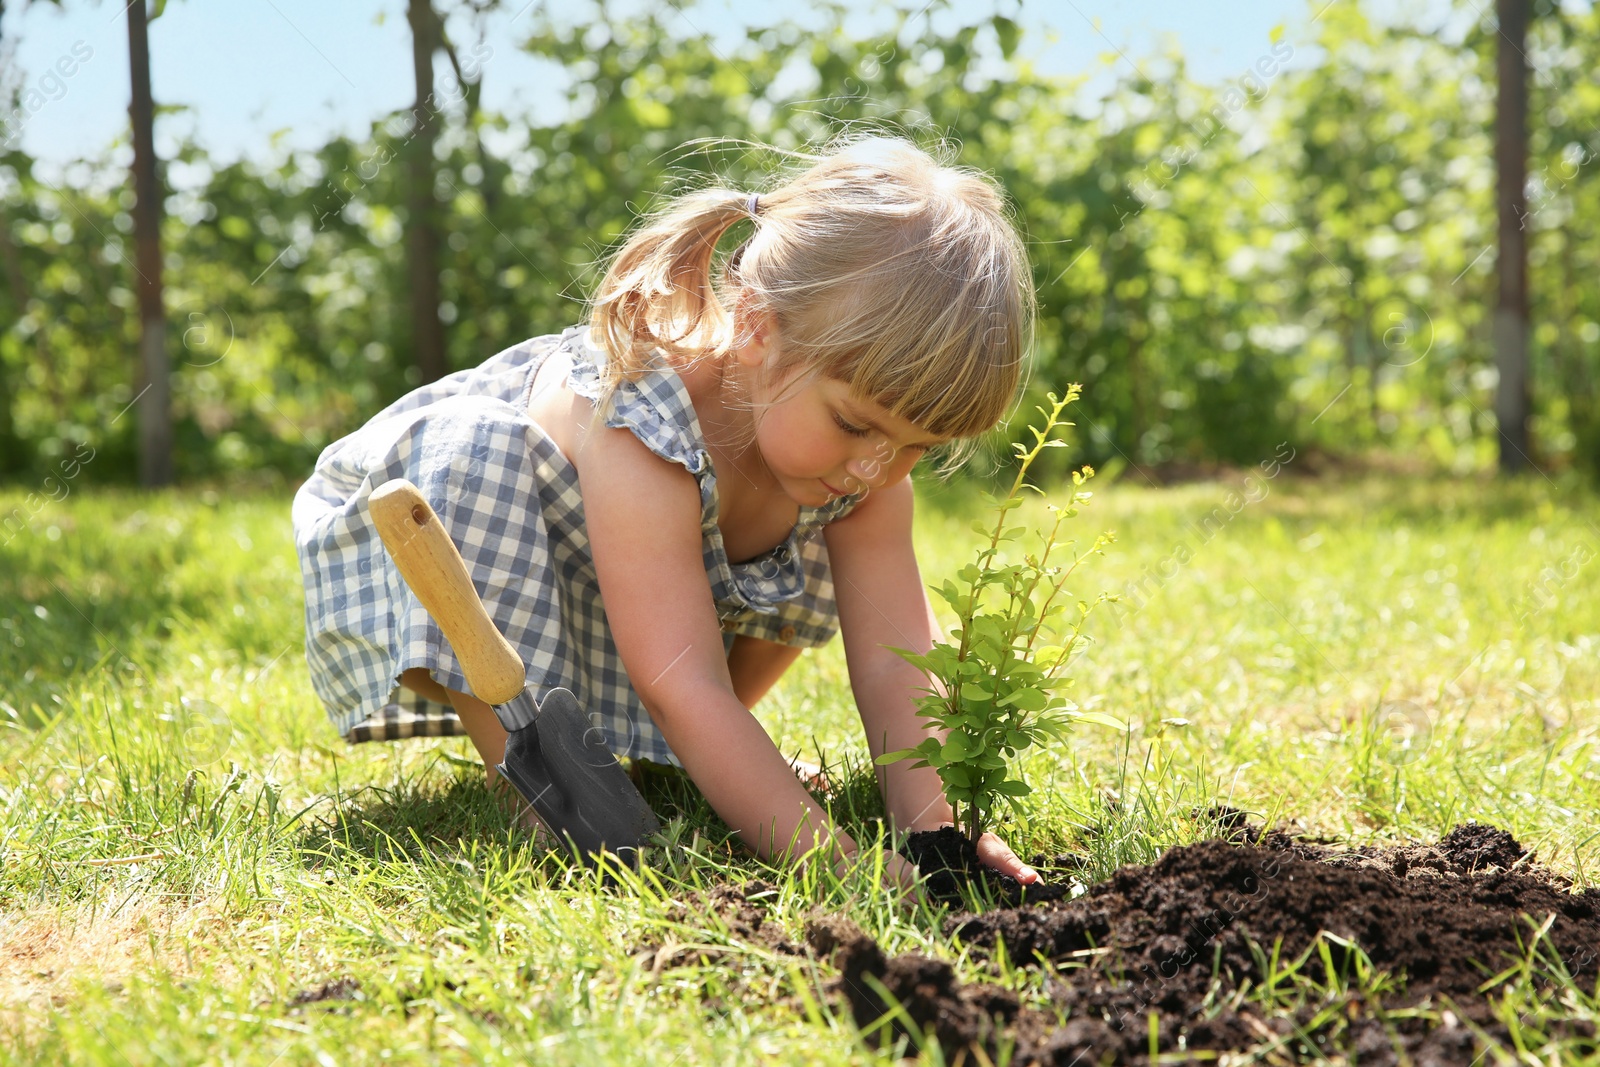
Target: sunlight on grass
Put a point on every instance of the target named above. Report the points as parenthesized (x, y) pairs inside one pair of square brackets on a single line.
[(192, 864)]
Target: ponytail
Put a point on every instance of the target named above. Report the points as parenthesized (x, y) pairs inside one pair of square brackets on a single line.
[(658, 292), (879, 266)]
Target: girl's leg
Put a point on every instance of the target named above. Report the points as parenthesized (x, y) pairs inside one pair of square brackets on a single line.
[(483, 727)]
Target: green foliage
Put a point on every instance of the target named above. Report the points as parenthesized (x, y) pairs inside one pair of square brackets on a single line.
[(996, 690), (1303, 254)]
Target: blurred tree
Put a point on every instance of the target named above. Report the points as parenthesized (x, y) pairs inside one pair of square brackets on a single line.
[(14, 451), (1561, 224), (1190, 244), (1511, 262), (422, 221), (154, 396)]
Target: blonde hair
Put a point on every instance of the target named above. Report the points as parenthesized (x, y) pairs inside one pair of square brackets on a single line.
[(882, 268)]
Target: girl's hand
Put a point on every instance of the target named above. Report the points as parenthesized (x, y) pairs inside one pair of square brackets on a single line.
[(996, 854)]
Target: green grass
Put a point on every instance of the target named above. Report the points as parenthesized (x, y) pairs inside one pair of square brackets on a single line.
[(1373, 660)]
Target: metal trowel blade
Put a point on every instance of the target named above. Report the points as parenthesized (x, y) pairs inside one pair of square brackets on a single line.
[(563, 768)]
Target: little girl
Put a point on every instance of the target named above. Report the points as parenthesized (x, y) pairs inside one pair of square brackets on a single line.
[(662, 507)]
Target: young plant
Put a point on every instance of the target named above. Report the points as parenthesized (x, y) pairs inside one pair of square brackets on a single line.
[(998, 688)]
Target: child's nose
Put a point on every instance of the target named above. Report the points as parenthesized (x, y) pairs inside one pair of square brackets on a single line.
[(870, 471)]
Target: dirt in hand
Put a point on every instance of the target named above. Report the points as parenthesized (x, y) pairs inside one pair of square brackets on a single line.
[(949, 861), (1174, 939)]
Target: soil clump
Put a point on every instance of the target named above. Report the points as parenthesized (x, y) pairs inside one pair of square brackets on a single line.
[(738, 913), (337, 989), (1173, 942)]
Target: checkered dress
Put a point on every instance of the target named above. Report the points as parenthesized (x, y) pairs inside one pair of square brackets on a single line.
[(510, 500)]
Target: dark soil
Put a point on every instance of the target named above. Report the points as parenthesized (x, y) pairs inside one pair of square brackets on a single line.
[(959, 1016), (950, 862), (737, 913), (338, 989), (1176, 938)]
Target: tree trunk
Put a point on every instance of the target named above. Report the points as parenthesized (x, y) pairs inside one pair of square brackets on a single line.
[(1511, 263), (154, 389), (422, 226)]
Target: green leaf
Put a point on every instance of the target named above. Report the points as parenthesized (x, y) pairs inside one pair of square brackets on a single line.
[(1026, 699), (957, 747), (916, 659), (1013, 788), (1100, 718), (1010, 33)]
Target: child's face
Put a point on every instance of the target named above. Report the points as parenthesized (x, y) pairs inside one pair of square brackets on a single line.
[(815, 435), (821, 441)]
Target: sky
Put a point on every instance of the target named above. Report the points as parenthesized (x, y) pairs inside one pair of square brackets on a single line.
[(257, 77)]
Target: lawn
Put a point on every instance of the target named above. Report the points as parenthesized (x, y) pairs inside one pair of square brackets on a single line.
[(194, 867)]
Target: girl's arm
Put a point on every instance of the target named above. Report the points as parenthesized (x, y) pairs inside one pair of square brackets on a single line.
[(882, 601), (643, 520)]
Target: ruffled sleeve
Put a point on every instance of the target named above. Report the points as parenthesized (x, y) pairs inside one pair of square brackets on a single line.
[(656, 407)]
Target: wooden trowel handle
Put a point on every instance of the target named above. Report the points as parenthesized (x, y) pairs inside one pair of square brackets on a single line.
[(432, 567)]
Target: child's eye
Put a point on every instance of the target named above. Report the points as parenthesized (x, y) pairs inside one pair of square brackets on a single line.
[(854, 431)]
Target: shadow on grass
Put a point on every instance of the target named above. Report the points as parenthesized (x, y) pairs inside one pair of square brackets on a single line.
[(851, 796), (426, 819), (409, 821)]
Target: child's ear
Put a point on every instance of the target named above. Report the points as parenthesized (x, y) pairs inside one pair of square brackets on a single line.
[(757, 332)]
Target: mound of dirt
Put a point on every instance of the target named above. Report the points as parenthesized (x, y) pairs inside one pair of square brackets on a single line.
[(1173, 940), (927, 990)]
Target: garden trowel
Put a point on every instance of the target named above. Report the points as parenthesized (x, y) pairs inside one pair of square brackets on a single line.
[(554, 757)]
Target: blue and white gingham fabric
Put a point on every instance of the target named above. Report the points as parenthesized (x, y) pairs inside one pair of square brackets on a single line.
[(510, 500)]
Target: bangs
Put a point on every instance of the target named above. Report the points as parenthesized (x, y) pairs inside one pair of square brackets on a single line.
[(956, 389), (942, 351)]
